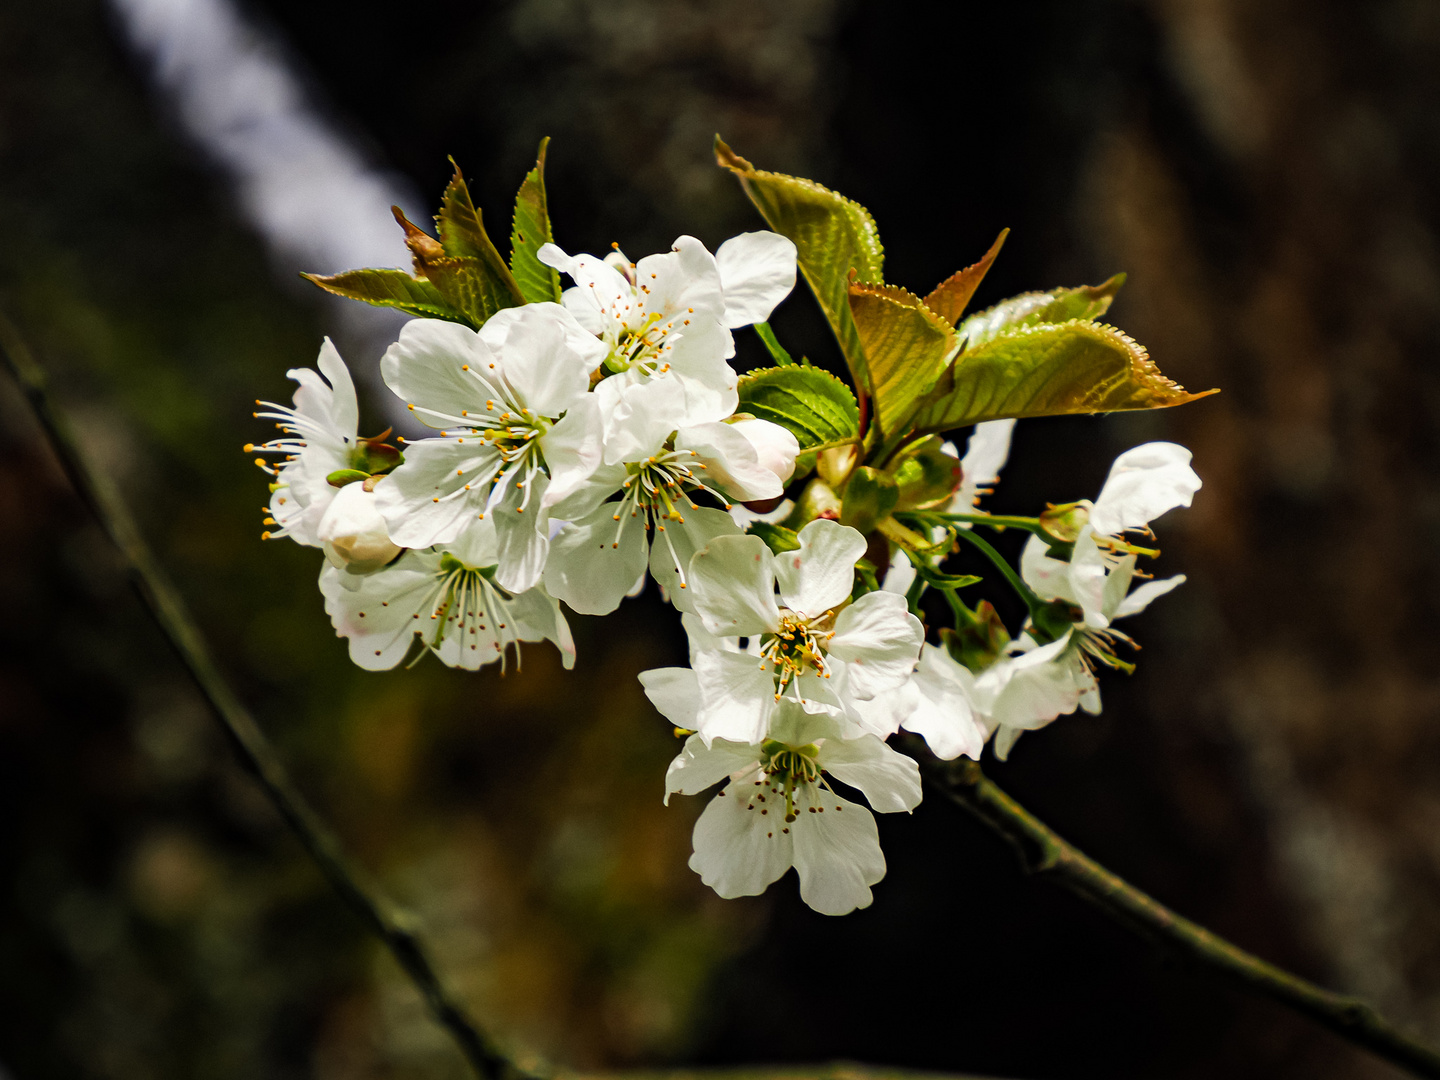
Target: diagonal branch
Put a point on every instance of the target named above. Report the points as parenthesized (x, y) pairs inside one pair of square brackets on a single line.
[(1043, 852), (393, 926)]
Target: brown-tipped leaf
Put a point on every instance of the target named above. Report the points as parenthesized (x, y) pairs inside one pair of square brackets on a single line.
[(907, 347), (476, 286), (1051, 370), (832, 234), (389, 288), (952, 295), (529, 231)]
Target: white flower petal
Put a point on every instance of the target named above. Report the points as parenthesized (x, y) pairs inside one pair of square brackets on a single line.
[(684, 278), (1142, 597), (543, 354), (733, 582), (985, 456), (730, 461), (889, 780), (775, 446), (426, 368), (593, 563), (522, 534), (699, 766), (1144, 483), (837, 852), (820, 575), (425, 501), (573, 449), (342, 410), (757, 271), (675, 692), (673, 545), (944, 716), (738, 850), (737, 696), (379, 616), (880, 640)]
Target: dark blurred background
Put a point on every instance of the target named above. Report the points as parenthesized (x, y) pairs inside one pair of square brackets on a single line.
[(1267, 174)]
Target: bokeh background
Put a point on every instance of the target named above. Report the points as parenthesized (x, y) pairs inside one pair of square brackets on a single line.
[(1268, 174)]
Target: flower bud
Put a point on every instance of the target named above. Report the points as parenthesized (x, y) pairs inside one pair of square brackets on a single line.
[(775, 446), (353, 532)]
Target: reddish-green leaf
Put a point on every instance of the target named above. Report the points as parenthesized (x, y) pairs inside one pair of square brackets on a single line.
[(389, 288), (907, 347), (952, 295)]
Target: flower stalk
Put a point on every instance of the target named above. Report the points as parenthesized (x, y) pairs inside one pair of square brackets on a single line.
[(1044, 853), (394, 926)]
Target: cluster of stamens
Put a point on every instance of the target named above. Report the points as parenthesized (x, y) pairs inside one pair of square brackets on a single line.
[(657, 490), (797, 646), (296, 426), (463, 600), (512, 431)]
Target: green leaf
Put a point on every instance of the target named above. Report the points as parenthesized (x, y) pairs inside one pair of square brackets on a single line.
[(389, 288), (772, 345), (779, 538), (907, 347), (529, 231), (832, 235), (463, 264), (1075, 367), (813, 404), (953, 294), (870, 495), (1037, 308)]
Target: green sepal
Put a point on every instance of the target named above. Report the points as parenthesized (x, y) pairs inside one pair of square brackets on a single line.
[(926, 474), (1038, 308), (376, 458), (813, 405), (1053, 620), (389, 288), (982, 642), (832, 236), (869, 497), (778, 538), (938, 580), (529, 231), (867, 579), (340, 477), (1049, 370), (772, 345)]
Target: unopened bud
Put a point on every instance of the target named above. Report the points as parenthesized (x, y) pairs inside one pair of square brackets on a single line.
[(354, 533), (1065, 521)]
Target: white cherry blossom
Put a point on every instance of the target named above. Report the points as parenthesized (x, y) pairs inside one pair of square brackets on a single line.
[(595, 560), (446, 596), (985, 455), (958, 709), (813, 644), (519, 431), (777, 809), (320, 437)]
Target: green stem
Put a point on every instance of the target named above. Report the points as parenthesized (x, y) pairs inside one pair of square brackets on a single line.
[(1031, 600), (777, 351), (393, 926), (997, 521), (1043, 852)]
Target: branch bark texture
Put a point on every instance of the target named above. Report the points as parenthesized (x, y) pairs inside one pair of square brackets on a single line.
[(390, 923), (1044, 853)]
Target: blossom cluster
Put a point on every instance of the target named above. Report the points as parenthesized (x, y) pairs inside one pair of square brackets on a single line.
[(583, 446)]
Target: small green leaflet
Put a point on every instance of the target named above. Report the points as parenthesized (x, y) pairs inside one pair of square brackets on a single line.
[(529, 231), (833, 236), (1050, 370), (813, 404), (389, 288)]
